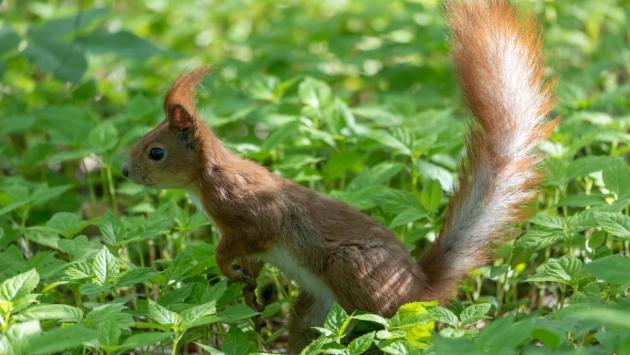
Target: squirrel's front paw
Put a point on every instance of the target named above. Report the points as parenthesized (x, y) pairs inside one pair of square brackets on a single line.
[(240, 274)]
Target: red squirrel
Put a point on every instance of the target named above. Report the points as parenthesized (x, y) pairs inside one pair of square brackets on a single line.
[(338, 254)]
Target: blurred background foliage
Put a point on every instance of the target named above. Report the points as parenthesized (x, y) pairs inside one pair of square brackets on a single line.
[(357, 99)]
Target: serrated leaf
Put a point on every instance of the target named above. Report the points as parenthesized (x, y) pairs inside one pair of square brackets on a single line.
[(361, 344), (407, 216), (444, 315), (136, 275), (547, 221), (67, 224), (566, 270), (432, 171), (614, 269), (109, 312), (194, 316), (108, 333), (387, 140), (235, 313), (617, 178), (616, 224), (337, 320), (104, 265), (416, 322), (375, 318), (61, 312), (475, 312), (431, 195), (60, 339), (139, 340), (162, 315), (19, 286), (236, 342)]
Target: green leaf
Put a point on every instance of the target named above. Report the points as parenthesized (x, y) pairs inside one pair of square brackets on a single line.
[(19, 286), (337, 320), (375, 318), (387, 140), (108, 333), (589, 164), (547, 221), (136, 275), (103, 137), (65, 61), (210, 350), (236, 342), (61, 312), (67, 124), (617, 178), (415, 321), (138, 340), (62, 27), (614, 269), (566, 270), (279, 136), (236, 312), (377, 175), (197, 315), (475, 312), (162, 315), (444, 315), (431, 195), (313, 92), (361, 344), (105, 266), (504, 336), (407, 216), (9, 40), (122, 43), (59, 340), (78, 271), (67, 224), (378, 114), (109, 312), (16, 124), (37, 197), (616, 224), (432, 171), (603, 315)]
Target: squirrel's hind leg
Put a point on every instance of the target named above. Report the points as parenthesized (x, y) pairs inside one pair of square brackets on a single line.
[(307, 312)]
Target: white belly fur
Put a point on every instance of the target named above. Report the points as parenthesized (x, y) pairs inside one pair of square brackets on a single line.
[(323, 296)]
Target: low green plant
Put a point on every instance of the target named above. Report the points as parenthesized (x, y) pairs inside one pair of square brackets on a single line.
[(351, 98)]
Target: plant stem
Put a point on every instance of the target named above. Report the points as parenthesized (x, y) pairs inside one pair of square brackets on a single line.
[(110, 186), (178, 337)]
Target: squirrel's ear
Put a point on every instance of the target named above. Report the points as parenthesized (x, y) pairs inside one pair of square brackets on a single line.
[(179, 117), (179, 102)]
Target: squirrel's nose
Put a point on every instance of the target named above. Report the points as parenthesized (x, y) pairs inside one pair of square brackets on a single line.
[(125, 170)]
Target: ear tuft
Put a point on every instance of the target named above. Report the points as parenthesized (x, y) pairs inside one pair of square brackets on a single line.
[(179, 117), (179, 102)]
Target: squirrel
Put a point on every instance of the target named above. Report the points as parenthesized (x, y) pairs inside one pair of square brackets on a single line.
[(336, 253)]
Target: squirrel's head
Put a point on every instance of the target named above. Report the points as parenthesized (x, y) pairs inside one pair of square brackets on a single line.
[(173, 154)]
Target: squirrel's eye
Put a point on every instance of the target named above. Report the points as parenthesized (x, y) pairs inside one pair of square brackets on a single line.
[(156, 154)]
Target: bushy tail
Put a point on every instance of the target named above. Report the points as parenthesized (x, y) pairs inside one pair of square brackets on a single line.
[(500, 70)]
